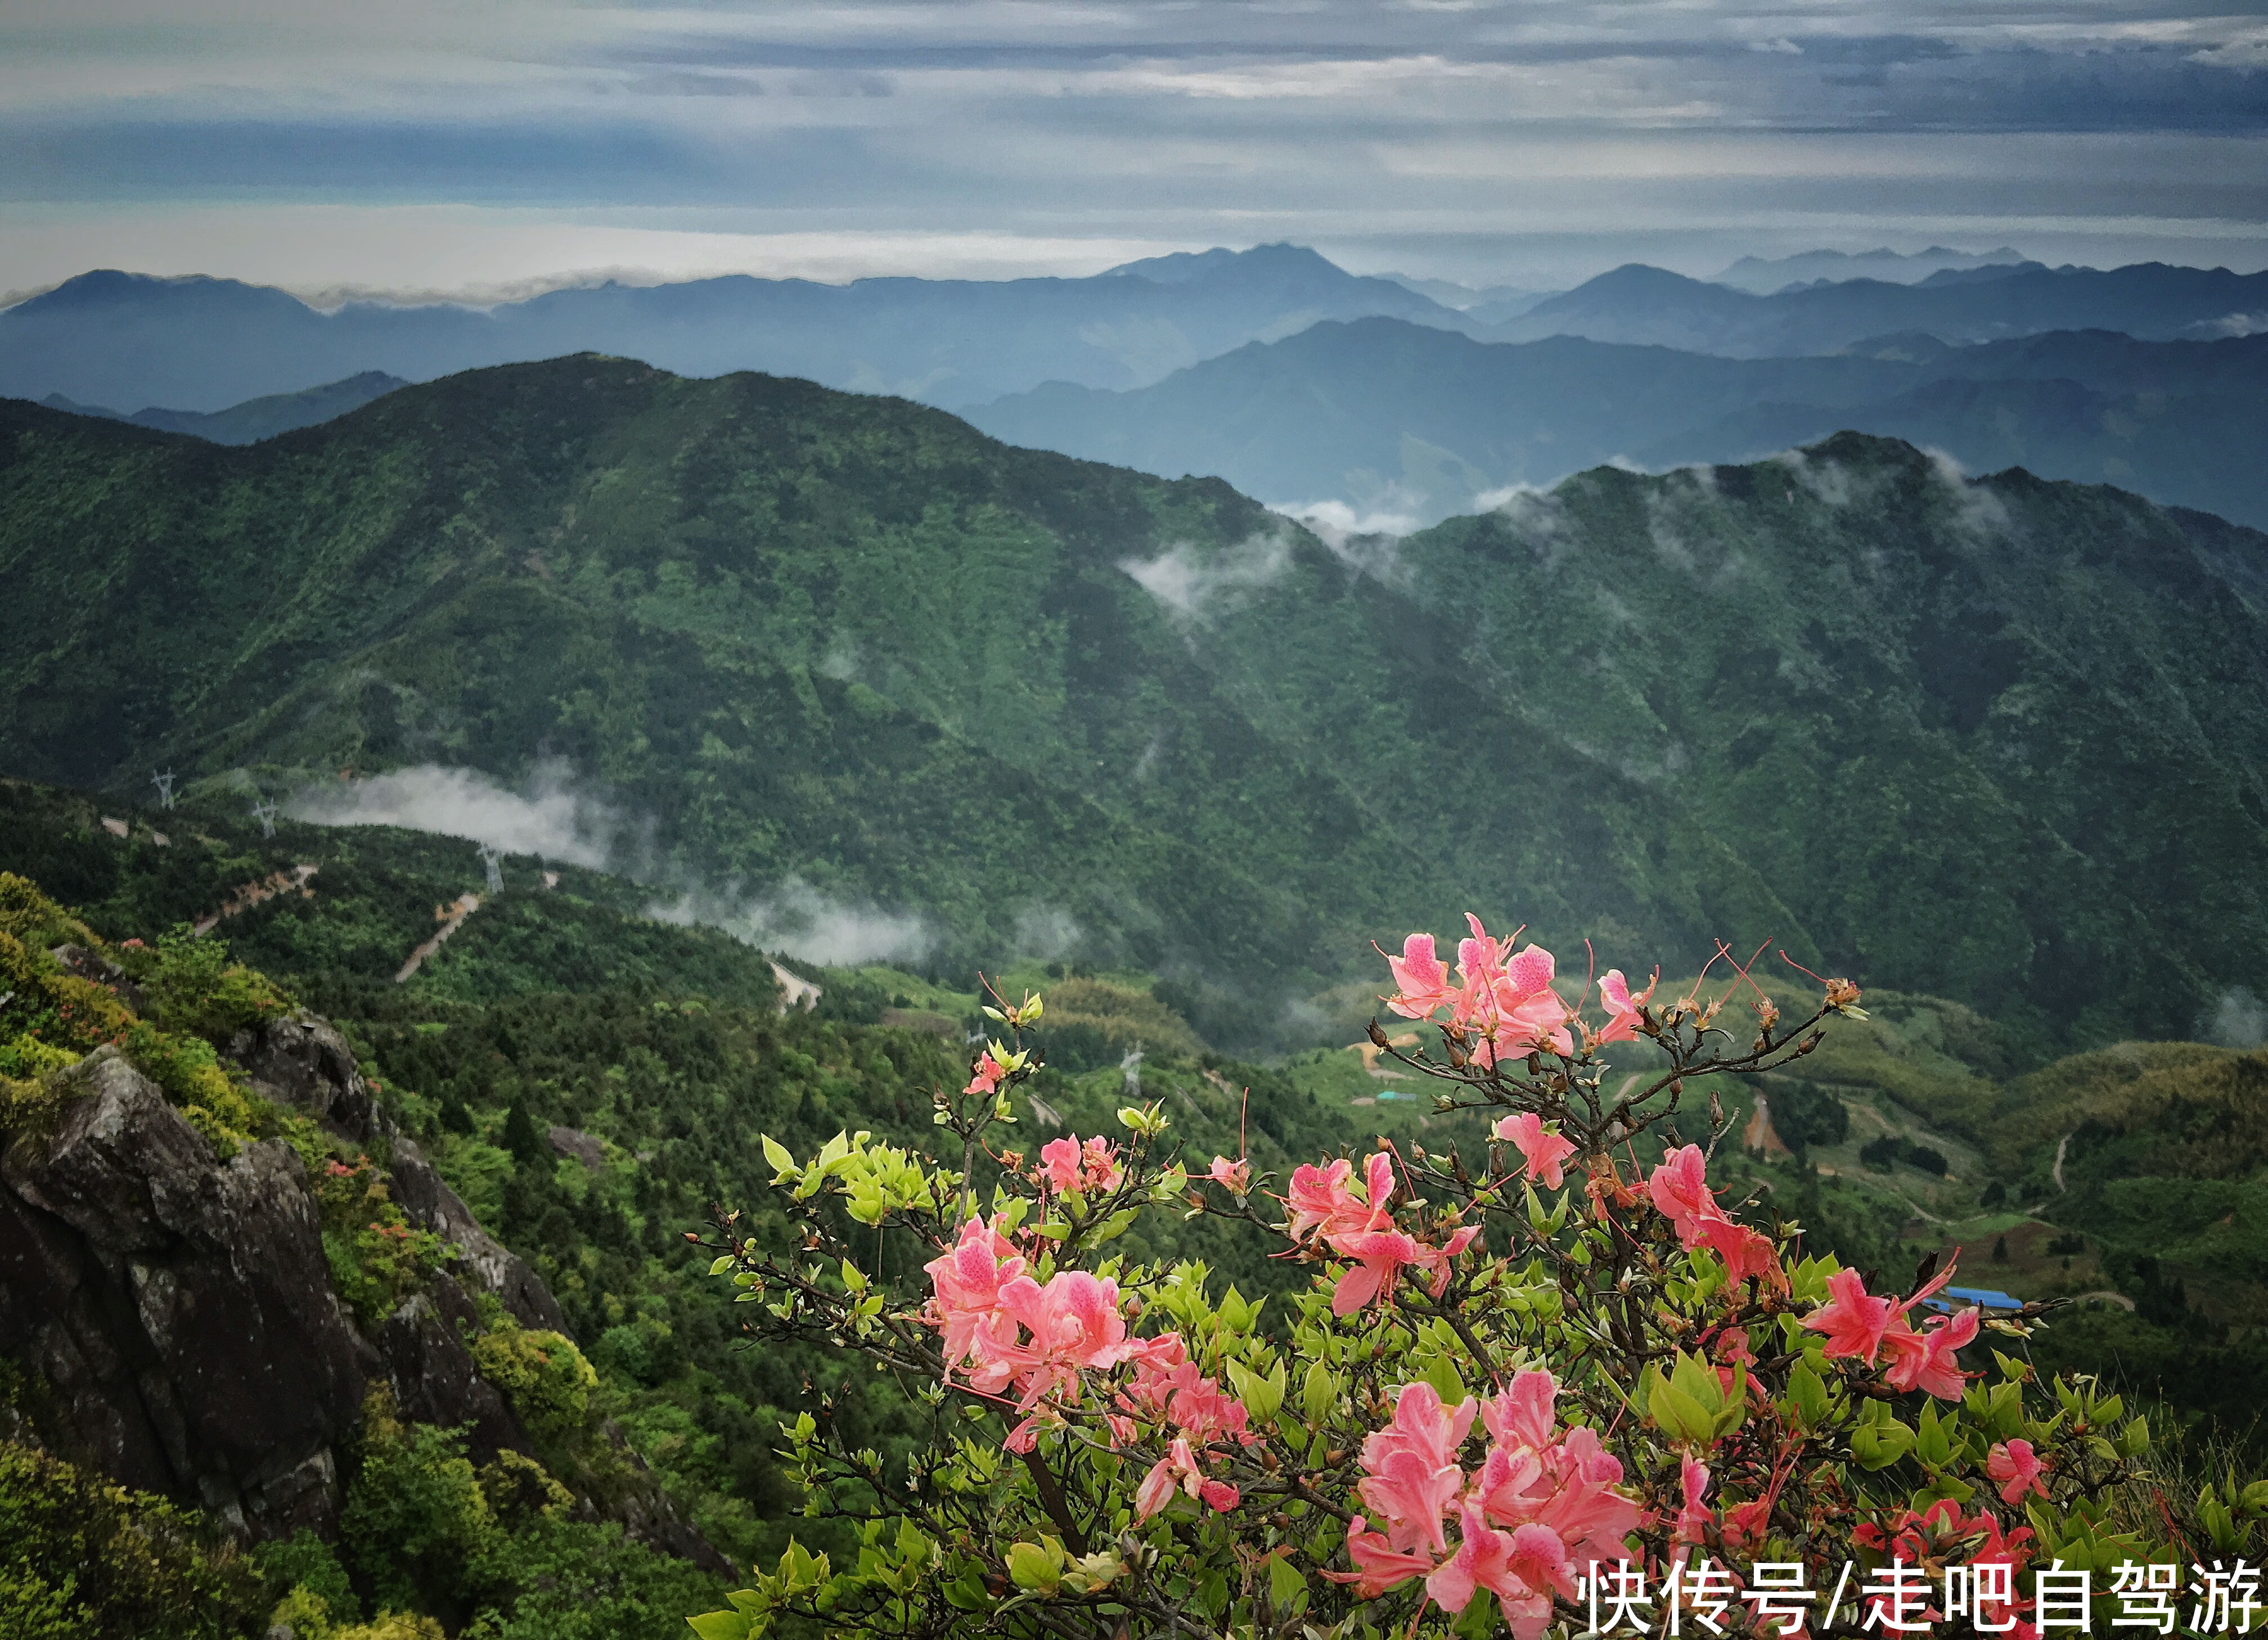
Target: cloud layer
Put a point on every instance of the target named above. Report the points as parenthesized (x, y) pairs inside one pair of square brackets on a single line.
[(1545, 138), (553, 815)]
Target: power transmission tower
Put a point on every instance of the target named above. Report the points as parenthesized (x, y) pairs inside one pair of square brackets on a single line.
[(264, 811), (491, 857), (165, 785)]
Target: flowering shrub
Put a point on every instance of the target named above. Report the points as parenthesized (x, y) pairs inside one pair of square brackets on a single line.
[(1517, 1378), (377, 1257)]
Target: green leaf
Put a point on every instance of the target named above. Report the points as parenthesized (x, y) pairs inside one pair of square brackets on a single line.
[(724, 1262), (779, 1155), (1032, 1567), (1286, 1588), (720, 1625)]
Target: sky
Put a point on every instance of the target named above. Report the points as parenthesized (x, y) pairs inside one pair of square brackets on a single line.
[(423, 148)]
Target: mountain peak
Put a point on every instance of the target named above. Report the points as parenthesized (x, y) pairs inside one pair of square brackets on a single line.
[(1185, 267)]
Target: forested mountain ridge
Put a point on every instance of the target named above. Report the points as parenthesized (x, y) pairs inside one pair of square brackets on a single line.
[(1995, 739), (1407, 420)]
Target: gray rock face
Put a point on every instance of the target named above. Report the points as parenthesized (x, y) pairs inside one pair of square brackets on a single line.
[(426, 1199), (586, 1148), (433, 1376), (178, 1307), (302, 1060)]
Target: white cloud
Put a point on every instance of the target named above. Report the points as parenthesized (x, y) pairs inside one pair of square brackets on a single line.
[(1202, 584), (2239, 1019), (802, 920), (547, 816)]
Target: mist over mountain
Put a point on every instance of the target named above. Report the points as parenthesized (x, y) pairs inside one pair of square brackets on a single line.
[(1403, 426), (203, 344), (1998, 739)]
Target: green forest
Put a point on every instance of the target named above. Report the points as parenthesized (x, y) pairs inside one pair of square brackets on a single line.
[(1996, 739), (591, 1084)]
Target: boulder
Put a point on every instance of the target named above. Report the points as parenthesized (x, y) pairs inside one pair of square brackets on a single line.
[(179, 1307), (586, 1148), (302, 1060)]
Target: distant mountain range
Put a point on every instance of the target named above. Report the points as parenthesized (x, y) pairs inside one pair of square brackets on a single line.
[(1761, 276), (203, 344), (1647, 306), (254, 419), (2001, 741), (1402, 422)]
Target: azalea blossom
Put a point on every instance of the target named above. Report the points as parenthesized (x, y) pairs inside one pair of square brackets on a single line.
[(1179, 1469), (2019, 1470), (1234, 1177), (1928, 1360), (1622, 1007), (1696, 1518), (1854, 1321), (1421, 982), (1089, 1168), (987, 1076), (1543, 1152)]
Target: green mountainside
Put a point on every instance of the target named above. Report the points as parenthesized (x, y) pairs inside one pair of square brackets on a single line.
[(589, 1081), (1998, 740)]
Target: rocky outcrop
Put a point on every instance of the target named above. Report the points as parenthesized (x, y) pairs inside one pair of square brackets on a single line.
[(179, 1313), (302, 1060), (178, 1307), (421, 1193), (435, 1381)]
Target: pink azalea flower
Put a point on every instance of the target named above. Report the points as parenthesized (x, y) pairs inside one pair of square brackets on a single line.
[(1234, 1177), (1058, 1163), (1747, 1253), (1411, 1467), (1421, 982), (1422, 1424), (1411, 1496), (1543, 1152), (968, 1280), (2018, 1469), (1068, 1165), (1592, 1520), (1379, 1565), (1480, 959), (1378, 1256), (987, 1075), (1100, 1173), (1696, 1518), (1510, 1487), (1526, 1413), (1074, 1320), (1854, 1321), (1929, 1360), (1521, 1568), (1179, 1469), (1622, 1007), (1679, 1189), (1435, 1260), (1318, 1197)]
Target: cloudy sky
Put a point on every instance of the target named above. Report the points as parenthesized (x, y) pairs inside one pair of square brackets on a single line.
[(414, 145)]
